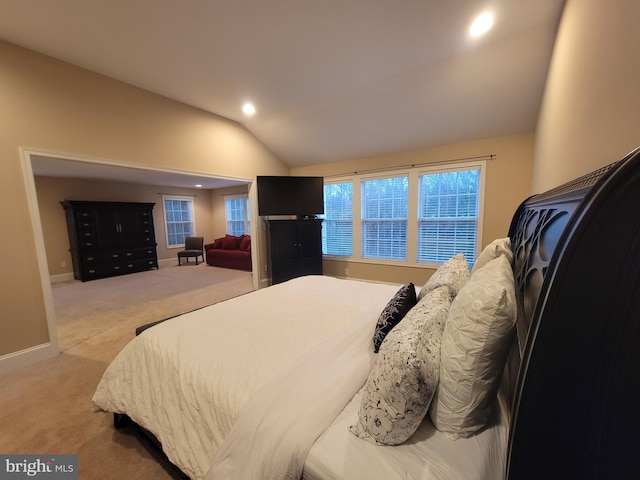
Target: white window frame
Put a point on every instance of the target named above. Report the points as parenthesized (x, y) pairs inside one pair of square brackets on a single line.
[(246, 214), (179, 198), (412, 224), (382, 221), (478, 218), (325, 222)]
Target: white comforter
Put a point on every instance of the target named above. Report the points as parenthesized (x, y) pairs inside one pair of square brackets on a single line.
[(187, 379), (279, 424)]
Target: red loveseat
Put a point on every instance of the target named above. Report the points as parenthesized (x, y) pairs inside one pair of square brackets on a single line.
[(229, 251)]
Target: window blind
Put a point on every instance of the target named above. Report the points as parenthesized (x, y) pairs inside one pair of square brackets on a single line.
[(448, 215), (384, 217), (337, 228)]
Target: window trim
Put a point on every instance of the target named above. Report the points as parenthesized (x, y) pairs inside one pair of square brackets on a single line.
[(412, 210), (247, 211), (182, 198)]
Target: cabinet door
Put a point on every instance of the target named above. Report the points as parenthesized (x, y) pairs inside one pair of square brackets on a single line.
[(128, 222), (283, 237), (296, 249), (107, 224), (310, 246)]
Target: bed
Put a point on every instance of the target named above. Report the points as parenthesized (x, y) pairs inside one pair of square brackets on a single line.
[(285, 382)]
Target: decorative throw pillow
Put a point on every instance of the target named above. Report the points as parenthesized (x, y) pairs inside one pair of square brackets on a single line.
[(217, 243), (229, 243), (245, 243), (402, 382), (475, 344), (454, 272), (501, 246), (395, 311)]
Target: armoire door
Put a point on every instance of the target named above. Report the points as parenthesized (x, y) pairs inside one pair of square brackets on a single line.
[(284, 250), (108, 228), (310, 247)]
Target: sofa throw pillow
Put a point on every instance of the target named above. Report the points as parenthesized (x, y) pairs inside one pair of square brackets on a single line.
[(500, 246), (475, 344), (402, 382), (396, 309), (454, 272), (245, 243), (229, 243)]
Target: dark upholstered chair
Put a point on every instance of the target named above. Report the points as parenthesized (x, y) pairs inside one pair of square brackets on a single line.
[(193, 247)]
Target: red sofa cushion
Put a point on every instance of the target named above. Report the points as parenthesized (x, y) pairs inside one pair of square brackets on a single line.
[(229, 243), (245, 243)]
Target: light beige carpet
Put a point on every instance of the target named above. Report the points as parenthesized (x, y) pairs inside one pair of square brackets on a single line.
[(46, 408)]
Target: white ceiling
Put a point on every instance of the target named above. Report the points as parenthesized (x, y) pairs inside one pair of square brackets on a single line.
[(330, 79)]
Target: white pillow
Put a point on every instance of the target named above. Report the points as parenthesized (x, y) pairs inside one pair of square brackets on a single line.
[(475, 344), (454, 272), (501, 246), (401, 384)]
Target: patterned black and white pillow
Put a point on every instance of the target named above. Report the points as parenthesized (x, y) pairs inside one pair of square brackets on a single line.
[(395, 311), (403, 380)]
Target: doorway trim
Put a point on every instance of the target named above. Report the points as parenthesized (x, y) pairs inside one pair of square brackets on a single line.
[(50, 349)]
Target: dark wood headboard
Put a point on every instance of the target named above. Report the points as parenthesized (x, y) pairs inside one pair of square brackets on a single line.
[(574, 371)]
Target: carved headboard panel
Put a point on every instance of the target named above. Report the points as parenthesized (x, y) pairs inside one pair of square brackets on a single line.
[(577, 272), (535, 231)]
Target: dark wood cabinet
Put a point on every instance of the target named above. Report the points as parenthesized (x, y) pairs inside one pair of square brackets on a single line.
[(295, 248), (110, 238)]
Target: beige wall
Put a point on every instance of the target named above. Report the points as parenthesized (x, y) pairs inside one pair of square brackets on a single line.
[(50, 106), (589, 116), (507, 183), (209, 220), (587, 120)]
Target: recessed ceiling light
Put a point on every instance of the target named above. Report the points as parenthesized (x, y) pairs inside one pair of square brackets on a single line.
[(481, 25), (248, 109), (198, 185)]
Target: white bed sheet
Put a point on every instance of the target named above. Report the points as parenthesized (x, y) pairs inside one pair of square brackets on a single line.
[(427, 455), (185, 380)]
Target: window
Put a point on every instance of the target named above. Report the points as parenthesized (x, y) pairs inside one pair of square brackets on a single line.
[(178, 218), (415, 216), (237, 211), (337, 227), (448, 215), (384, 218)]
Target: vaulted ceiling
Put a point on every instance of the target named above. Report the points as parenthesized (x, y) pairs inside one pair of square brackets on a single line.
[(330, 80)]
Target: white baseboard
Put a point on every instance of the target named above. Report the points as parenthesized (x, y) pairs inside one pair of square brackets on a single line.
[(28, 356), (63, 277), (169, 262)]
